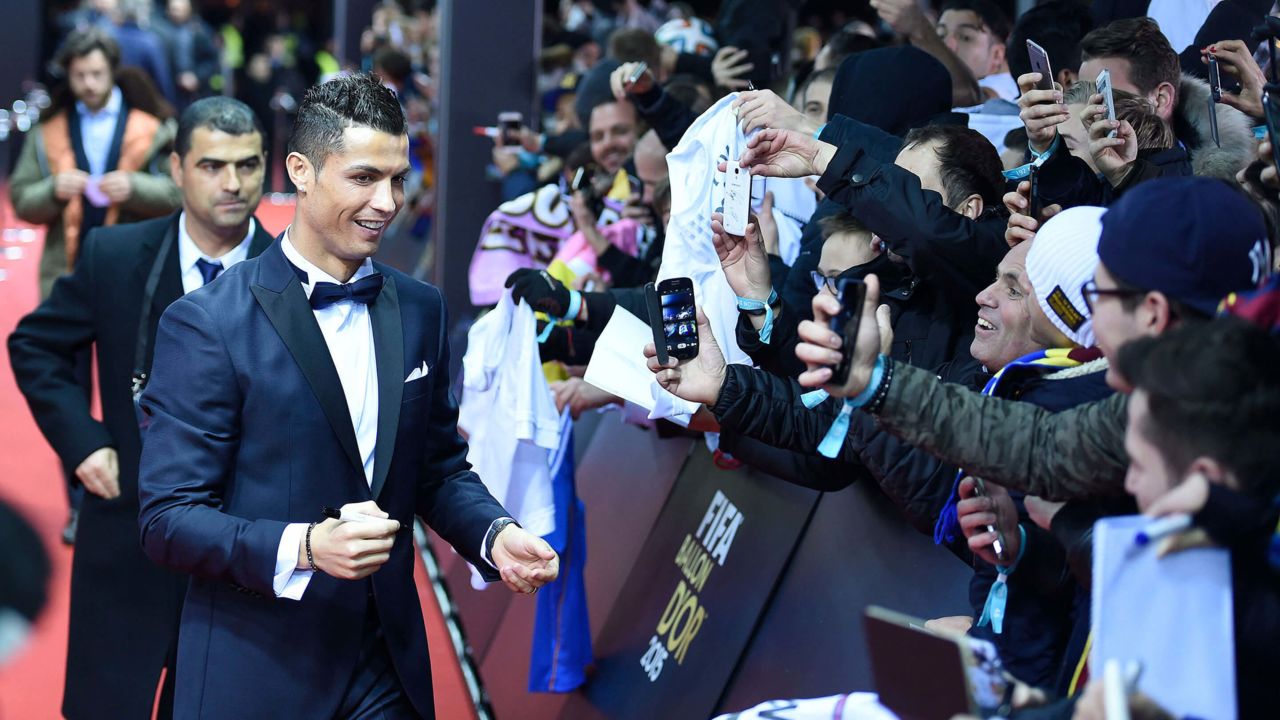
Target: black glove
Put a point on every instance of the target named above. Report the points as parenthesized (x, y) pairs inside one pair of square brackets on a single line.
[(543, 292)]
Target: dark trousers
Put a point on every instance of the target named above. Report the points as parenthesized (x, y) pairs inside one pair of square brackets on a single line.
[(375, 692)]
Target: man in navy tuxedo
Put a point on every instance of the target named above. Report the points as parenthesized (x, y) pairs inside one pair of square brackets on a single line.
[(309, 378)]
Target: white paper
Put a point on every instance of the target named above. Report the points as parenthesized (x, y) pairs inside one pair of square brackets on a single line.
[(1173, 614)]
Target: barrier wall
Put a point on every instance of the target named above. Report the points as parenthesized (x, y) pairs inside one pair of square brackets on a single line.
[(710, 590)]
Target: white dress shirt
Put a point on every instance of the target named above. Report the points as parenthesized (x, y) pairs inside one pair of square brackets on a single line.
[(348, 332), (97, 129), (189, 253)]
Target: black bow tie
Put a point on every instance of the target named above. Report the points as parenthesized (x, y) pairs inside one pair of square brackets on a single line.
[(363, 291)]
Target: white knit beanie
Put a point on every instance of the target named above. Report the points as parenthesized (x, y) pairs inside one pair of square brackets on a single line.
[(1062, 259)]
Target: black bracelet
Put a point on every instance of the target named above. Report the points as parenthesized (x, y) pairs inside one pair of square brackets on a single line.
[(877, 401), (310, 560)]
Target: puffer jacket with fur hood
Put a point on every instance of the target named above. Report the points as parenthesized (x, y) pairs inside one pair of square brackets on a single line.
[(1191, 125)]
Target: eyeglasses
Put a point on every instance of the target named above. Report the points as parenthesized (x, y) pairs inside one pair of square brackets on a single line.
[(1091, 292), (822, 281)]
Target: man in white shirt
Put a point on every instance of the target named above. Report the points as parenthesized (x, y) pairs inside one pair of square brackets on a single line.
[(304, 380), (124, 609)]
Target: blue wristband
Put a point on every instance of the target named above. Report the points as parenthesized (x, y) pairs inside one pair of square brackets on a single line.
[(993, 610), (575, 305), (1023, 171), (748, 304), (831, 442), (817, 134)]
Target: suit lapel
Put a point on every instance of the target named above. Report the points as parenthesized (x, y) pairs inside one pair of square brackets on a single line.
[(283, 300), (388, 342)]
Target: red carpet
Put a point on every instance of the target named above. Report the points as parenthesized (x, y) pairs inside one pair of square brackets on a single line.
[(30, 479)]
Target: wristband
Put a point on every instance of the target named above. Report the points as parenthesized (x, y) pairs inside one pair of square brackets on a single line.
[(1022, 172), (311, 561), (817, 134), (755, 307), (993, 610), (575, 306), (831, 442)]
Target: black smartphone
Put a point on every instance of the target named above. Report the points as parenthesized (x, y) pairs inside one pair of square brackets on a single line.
[(679, 317), (1034, 208), (584, 181), (1040, 64), (851, 292), (1215, 96), (1271, 108), (509, 124), (654, 306)]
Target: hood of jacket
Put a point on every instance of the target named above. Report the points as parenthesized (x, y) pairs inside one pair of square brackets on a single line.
[(1235, 130)]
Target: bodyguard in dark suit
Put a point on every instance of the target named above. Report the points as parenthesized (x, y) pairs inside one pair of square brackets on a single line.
[(309, 378), (125, 609)]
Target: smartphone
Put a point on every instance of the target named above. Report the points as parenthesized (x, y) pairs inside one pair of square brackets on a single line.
[(584, 181), (509, 124), (1108, 97), (980, 488), (654, 306), (1215, 96), (1035, 206), (1040, 64), (679, 317), (851, 292), (737, 198), (1271, 109), (639, 81)]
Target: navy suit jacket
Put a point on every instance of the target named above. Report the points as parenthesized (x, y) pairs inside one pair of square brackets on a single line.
[(248, 431)]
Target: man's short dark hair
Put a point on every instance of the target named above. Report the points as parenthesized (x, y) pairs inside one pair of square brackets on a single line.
[(83, 42), (327, 110), (215, 113), (1212, 391), (990, 13), (393, 64), (1152, 60), (968, 162), (635, 45), (1056, 26)]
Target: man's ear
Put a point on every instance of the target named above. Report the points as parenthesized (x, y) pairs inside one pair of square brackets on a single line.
[(301, 172), (1153, 314), (971, 207), (1067, 77), (1164, 98), (1213, 471), (175, 169), (997, 58)]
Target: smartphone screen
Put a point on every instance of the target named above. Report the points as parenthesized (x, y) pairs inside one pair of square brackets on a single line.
[(1040, 64), (509, 124), (851, 294), (679, 318)]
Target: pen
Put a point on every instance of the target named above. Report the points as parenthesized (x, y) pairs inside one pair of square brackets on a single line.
[(1163, 527), (350, 516)]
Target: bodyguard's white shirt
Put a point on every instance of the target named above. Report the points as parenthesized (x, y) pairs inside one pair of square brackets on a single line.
[(348, 332), (189, 253), (97, 129)]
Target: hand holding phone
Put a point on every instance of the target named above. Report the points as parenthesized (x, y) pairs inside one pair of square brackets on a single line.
[(584, 182), (509, 125), (997, 545), (852, 294), (639, 81)]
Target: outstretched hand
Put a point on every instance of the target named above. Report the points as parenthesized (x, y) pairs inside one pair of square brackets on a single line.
[(525, 561), (785, 154), (697, 380)]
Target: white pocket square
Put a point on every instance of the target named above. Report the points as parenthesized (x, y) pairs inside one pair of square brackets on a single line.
[(418, 373)]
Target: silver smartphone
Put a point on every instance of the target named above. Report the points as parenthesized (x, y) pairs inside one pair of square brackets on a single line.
[(1108, 97)]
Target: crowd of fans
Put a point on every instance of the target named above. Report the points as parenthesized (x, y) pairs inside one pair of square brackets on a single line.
[(1055, 294), (1068, 314)]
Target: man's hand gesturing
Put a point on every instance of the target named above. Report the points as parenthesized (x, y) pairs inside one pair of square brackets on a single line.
[(525, 561)]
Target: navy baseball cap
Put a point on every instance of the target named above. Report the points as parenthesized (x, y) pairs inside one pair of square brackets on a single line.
[(1195, 239)]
